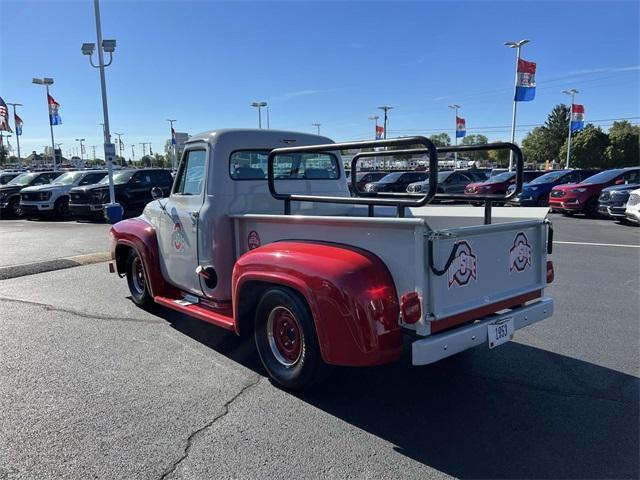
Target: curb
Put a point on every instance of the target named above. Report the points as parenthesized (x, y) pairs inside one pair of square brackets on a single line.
[(14, 271)]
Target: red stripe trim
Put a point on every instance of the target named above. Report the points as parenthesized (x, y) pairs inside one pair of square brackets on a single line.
[(475, 314)]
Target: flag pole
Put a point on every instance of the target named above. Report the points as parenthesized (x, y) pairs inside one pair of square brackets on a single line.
[(455, 132), (15, 122), (571, 92), (53, 143)]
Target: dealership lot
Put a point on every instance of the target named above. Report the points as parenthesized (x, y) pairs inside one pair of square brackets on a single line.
[(93, 386)]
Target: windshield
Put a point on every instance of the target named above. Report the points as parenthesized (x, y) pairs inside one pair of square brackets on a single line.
[(548, 177), (391, 178), (442, 176), (118, 177), (603, 177), (503, 177), (67, 178), (23, 179)]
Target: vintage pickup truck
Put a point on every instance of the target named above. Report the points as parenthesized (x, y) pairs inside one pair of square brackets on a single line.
[(260, 236)]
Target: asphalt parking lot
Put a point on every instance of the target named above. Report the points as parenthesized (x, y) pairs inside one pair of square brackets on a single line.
[(93, 387)]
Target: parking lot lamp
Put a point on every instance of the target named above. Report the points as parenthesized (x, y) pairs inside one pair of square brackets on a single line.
[(80, 140), (386, 110), (317, 125), (375, 121), (46, 82), (572, 92), (518, 46), (259, 106), (113, 210)]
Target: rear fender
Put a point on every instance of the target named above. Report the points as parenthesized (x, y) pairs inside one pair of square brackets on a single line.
[(139, 234), (350, 294)]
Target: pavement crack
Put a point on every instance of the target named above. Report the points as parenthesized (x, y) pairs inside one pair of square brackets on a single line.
[(52, 308), (195, 433)]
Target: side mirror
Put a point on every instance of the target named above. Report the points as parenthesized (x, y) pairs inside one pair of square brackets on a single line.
[(156, 193)]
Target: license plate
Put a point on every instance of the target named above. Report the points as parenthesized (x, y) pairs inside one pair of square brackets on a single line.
[(500, 332)]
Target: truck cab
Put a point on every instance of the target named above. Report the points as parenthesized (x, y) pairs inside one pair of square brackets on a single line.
[(260, 235)]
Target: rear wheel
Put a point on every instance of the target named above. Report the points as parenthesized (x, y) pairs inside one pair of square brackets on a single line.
[(286, 340), (137, 280), (14, 207), (543, 201)]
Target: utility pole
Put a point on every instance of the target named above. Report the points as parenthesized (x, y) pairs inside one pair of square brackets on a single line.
[(18, 128), (384, 133), (572, 92)]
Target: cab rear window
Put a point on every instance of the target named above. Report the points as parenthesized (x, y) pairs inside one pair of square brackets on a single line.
[(252, 165)]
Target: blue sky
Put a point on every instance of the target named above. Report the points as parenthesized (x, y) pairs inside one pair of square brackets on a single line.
[(202, 63)]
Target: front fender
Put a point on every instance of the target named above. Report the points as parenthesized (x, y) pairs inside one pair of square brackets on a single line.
[(350, 293), (139, 234)]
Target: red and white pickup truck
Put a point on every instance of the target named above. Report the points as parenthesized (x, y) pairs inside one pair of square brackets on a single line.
[(261, 236)]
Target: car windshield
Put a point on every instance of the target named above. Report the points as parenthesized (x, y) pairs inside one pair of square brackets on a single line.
[(23, 179), (548, 177), (503, 177), (442, 176), (67, 178), (391, 178), (603, 177), (118, 177)]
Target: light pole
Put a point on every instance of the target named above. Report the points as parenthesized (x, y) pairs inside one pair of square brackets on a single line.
[(259, 105), (119, 135), (518, 46), (317, 125), (174, 159), (80, 140), (455, 108), (268, 122), (113, 210), (572, 92), (133, 153), (46, 82), (17, 127), (375, 119), (386, 110)]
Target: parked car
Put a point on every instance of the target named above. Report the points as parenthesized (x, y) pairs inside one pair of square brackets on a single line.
[(448, 182), (583, 197), (10, 192), (536, 192), (499, 184), (395, 182), (53, 198), (6, 177), (362, 178), (633, 207), (612, 201), (132, 191), (319, 286)]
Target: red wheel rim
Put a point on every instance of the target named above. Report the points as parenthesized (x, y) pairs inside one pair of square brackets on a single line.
[(285, 336)]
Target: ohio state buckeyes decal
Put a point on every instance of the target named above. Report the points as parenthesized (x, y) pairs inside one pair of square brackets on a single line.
[(463, 268), (520, 254)]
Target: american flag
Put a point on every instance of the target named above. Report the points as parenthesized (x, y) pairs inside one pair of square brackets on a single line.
[(4, 117)]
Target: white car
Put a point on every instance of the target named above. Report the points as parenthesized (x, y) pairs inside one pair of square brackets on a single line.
[(53, 198), (633, 206)]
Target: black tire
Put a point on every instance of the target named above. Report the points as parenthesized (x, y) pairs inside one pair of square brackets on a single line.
[(543, 201), (286, 340), (61, 207), (137, 280), (15, 210), (591, 208)]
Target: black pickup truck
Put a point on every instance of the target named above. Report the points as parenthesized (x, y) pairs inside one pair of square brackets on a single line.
[(132, 191)]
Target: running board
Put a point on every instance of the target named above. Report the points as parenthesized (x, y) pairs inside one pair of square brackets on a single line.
[(222, 318)]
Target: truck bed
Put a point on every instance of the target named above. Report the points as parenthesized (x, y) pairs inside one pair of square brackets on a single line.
[(403, 245)]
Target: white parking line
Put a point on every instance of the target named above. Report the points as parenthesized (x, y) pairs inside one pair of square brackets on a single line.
[(597, 244)]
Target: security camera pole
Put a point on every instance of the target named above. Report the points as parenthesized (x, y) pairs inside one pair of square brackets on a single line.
[(108, 46)]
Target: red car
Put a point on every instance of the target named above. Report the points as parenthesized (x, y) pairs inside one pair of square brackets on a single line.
[(498, 184), (583, 197)]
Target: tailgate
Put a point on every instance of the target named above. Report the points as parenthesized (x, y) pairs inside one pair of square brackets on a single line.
[(492, 265)]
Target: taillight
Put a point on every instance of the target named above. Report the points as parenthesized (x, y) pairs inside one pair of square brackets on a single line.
[(410, 307), (550, 272)]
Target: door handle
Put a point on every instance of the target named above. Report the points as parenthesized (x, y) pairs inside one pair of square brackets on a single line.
[(194, 215)]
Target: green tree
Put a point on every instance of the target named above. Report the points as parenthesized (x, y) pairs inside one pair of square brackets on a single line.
[(588, 148), (475, 140), (441, 139), (534, 145), (556, 131), (499, 158), (624, 148)]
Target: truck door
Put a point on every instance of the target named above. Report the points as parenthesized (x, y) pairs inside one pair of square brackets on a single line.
[(178, 232)]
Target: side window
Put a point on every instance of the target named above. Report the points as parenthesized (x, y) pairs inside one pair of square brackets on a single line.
[(44, 179), (463, 177), (91, 178), (631, 177), (190, 179), (141, 179)]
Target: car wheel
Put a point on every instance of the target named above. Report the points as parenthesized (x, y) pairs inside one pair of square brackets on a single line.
[(286, 340), (61, 207), (543, 201), (591, 208), (137, 280), (15, 209)]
